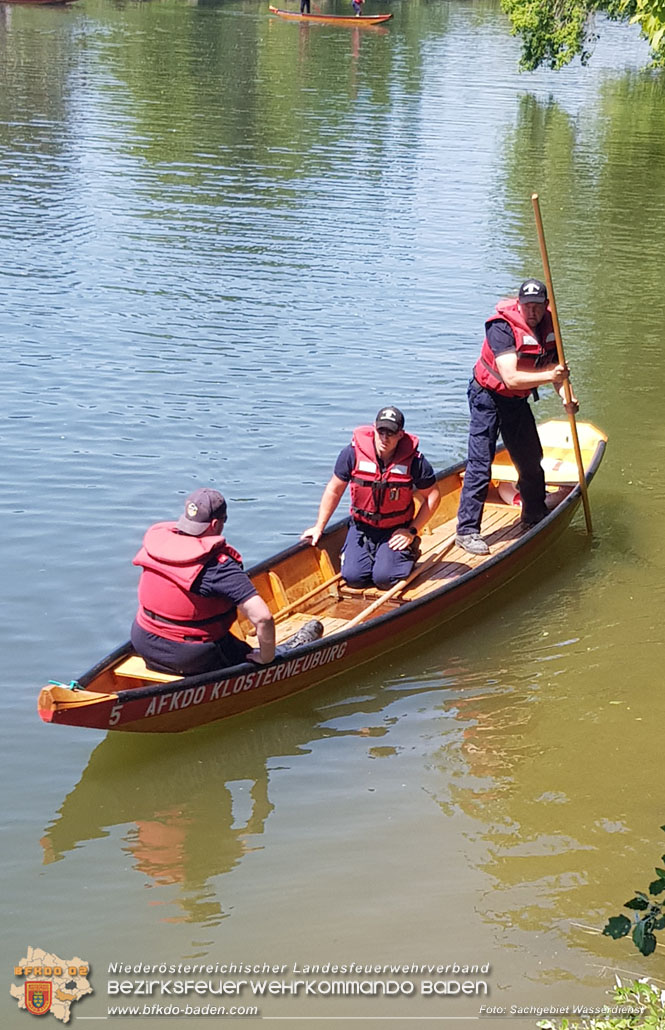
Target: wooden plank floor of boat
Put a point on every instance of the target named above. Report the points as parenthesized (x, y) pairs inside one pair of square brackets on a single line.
[(342, 604)]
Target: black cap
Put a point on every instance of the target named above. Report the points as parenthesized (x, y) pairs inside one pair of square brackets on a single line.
[(201, 507), (532, 291), (389, 418)]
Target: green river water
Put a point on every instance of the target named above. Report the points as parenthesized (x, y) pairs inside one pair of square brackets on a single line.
[(225, 240)]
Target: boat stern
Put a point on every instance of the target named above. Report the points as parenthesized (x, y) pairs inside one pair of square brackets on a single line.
[(59, 703)]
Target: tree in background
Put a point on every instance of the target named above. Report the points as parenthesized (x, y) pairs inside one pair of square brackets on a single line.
[(555, 31)]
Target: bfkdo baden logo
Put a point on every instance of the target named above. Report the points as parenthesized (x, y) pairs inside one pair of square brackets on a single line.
[(50, 984), (38, 996)]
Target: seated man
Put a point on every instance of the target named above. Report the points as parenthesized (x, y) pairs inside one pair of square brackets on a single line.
[(191, 584), (386, 471)]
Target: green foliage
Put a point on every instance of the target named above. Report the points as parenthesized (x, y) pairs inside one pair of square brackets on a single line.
[(617, 926), (555, 31), (643, 1008), (650, 919)]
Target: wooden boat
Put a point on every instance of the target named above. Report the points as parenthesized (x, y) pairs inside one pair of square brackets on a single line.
[(42, 3), (303, 582), (333, 19)]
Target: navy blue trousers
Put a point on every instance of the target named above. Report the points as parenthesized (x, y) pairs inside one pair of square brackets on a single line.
[(492, 414), (187, 659), (368, 560)]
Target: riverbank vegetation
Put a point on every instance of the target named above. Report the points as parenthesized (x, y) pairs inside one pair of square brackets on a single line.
[(649, 915), (638, 1005), (553, 32)]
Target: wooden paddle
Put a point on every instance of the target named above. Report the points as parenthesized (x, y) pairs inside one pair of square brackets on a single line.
[(403, 583), (562, 361)]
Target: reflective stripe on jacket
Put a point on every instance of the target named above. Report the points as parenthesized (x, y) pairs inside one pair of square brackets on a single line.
[(530, 352), (382, 498), (171, 562)]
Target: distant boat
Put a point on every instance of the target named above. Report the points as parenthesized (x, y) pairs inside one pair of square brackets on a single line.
[(331, 19), (26, 3), (304, 583)]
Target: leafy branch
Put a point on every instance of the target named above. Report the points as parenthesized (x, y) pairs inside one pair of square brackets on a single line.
[(649, 915), (553, 32)]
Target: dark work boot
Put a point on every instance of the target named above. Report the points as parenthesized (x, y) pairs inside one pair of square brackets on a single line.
[(526, 524), (310, 631)]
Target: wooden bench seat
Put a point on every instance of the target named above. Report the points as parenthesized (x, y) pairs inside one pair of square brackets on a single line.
[(135, 668)]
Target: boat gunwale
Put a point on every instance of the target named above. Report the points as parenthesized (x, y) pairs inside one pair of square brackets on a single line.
[(230, 672)]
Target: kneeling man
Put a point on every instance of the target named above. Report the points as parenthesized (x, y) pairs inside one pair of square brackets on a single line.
[(386, 472)]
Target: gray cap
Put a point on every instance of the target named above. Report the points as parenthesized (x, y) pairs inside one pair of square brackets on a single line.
[(201, 507)]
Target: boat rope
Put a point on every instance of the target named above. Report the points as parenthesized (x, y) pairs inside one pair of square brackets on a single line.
[(72, 685)]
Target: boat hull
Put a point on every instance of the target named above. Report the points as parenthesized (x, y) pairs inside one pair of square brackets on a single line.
[(363, 20), (182, 704)]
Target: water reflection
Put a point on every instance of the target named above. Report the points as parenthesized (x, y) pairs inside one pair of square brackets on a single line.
[(539, 747), (495, 734), (192, 808), (177, 816)]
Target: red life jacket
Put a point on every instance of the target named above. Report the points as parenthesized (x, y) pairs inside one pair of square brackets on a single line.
[(530, 352), (171, 562), (382, 498)]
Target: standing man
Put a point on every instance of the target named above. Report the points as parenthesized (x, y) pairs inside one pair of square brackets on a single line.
[(192, 583), (386, 472), (517, 356)]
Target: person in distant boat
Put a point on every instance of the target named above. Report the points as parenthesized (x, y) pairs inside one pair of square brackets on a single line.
[(358, 7), (304, 7), (517, 356), (386, 472), (192, 583)]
